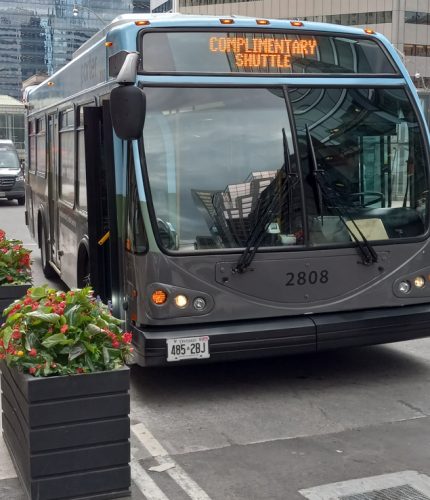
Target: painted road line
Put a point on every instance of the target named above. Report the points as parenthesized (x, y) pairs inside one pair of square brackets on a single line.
[(145, 483), (148, 441)]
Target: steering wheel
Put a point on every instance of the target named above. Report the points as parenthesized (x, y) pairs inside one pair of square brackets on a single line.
[(376, 197)]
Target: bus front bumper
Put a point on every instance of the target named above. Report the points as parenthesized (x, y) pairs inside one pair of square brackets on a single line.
[(288, 335)]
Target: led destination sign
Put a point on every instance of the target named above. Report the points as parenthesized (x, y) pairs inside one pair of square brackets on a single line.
[(256, 52), (263, 52)]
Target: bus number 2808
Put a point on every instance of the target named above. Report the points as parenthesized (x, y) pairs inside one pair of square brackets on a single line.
[(307, 278)]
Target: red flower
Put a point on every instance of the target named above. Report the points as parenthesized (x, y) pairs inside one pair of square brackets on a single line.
[(2, 235), (127, 337), (115, 344), (33, 352), (16, 334), (9, 278), (79, 370), (32, 370), (25, 260), (64, 328)]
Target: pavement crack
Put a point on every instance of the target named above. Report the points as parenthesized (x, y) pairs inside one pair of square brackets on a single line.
[(412, 407)]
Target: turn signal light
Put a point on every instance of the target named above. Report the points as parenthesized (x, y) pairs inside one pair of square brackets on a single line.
[(226, 21), (262, 21), (108, 44), (142, 23), (159, 297), (296, 23), (369, 31)]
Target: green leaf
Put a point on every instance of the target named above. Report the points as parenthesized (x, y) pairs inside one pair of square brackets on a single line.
[(49, 318), (56, 339), (7, 334), (93, 329), (30, 341), (89, 363), (38, 293), (106, 356), (71, 314), (76, 351), (92, 348)]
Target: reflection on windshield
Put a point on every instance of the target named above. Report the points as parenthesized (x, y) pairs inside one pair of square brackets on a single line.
[(211, 154), (8, 159), (370, 154), (214, 155)]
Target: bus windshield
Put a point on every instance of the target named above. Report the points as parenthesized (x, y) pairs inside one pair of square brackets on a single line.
[(8, 158), (215, 158)]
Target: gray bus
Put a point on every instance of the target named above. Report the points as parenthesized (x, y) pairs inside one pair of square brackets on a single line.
[(236, 187)]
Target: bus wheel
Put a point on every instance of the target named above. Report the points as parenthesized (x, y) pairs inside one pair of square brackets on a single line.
[(47, 269), (20, 201), (84, 276)]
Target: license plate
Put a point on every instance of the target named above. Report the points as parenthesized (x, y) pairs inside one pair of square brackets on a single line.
[(2, 194), (187, 348)]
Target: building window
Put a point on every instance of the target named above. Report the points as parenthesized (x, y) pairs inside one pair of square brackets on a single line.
[(412, 17), (416, 50)]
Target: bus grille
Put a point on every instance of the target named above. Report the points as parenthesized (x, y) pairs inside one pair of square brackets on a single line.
[(6, 183)]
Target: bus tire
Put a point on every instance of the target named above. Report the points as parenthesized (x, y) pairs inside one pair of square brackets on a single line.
[(84, 275), (20, 201), (47, 269)]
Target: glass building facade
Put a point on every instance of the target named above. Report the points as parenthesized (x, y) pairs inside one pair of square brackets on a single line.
[(39, 37)]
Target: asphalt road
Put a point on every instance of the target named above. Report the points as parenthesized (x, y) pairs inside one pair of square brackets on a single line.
[(267, 429)]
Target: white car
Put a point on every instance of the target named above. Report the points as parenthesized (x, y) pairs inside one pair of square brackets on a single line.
[(11, 174)]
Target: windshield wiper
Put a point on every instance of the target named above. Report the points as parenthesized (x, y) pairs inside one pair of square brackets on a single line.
[(332, 199), (267, 207)]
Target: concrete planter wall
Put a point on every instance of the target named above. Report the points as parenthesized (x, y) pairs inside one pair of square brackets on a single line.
[(68, 436), (10, 293)]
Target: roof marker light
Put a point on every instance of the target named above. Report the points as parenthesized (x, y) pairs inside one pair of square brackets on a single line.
[(296, 23), (142, 23), (51, 84), (369, 31), (108, 44), (226, 21), (262, 21)]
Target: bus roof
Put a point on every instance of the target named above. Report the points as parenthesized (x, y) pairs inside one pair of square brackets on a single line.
[(194, 21)]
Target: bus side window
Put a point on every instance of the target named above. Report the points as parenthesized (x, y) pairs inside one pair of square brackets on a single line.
[(82, 179), (41, 147), (136, 240), (67, 153), (32, 146)]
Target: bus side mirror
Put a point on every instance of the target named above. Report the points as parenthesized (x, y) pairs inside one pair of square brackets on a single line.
[(127, 109)]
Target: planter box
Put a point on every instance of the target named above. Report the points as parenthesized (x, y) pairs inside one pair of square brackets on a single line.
[(9, 293), (68, 436)]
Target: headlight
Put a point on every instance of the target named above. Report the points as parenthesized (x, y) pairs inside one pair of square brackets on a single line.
[(20, 177)]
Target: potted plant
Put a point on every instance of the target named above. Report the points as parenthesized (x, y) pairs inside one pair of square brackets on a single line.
[(15, 274), (65, 395)]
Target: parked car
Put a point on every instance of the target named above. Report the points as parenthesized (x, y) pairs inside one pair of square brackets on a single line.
[(11, 173)]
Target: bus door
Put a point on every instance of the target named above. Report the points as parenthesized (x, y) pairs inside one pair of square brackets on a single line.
[(53, 189), (101, 199)]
